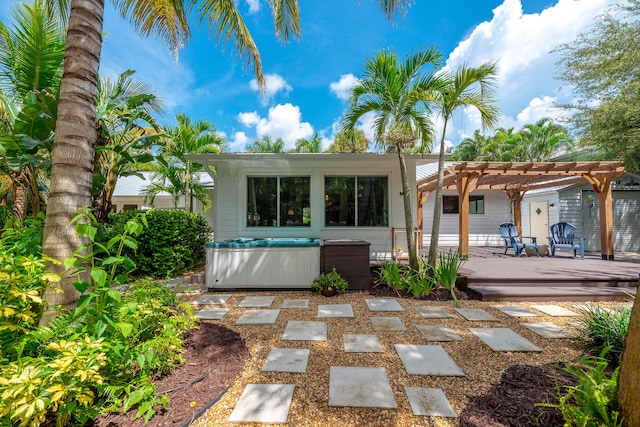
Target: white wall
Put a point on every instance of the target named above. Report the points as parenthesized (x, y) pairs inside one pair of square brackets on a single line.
[(230, 196), (483, 228)]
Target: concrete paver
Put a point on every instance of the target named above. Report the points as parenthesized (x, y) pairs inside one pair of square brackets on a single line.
[(427, 360), (476, 315), (295, 303), (212, 299), (287, 360), (438, 333), (361, 343), (430, 402), (263, 403), (304, 330), (504, 339), (212, 313), (360, 387), (548, 330), (434, 312), (555, 310), (383, 305), (335, 310), (258, 317), (515, 311), (256, 301), (388, 324)]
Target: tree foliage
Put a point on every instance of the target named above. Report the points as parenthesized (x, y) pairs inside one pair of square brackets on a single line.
[(349, 141), (602, 66)]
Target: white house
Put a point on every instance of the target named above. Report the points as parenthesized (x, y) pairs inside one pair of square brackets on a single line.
[(317, 195)]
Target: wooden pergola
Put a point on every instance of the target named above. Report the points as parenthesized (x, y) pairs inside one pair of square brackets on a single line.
[(515, 179)]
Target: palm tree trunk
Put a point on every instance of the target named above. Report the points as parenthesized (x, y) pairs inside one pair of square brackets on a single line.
[(408, 216), (437, 208), (187, 188), (19, 196), (629, 377), (73, 151)]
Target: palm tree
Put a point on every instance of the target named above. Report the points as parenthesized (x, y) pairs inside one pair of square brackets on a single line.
[(471, 148), (466, 87), (73, 156), (125, 130), (31, 56), (309, 145), (187, 136), (543, 139), (396, 92), (266, 145)]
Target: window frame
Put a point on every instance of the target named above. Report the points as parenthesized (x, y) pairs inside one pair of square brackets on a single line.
[(473, 199), (355, 177), (277, 201)]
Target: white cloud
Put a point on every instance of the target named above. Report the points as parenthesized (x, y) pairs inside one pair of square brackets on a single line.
[(342, 88), (283, 121), (238, 143), (522, 45), (254, 6), (273, 84)]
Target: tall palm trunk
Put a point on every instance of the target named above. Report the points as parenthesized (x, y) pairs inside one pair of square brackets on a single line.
[(408, 216), (629, 377), (73, 152), (187, 188), (19, 196), (437, 208)]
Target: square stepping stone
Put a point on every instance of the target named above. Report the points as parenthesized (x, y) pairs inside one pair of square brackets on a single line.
[(548, 330), (304, 330), (438, 333), (383, 305), (515, 311), (212, 313), (295, 303), (361, 343), (258, 317), (427, 360), (504, 339), (429, 402), (555, 310), (476, 314), (256, 301), (360, 387), (387, 324), (335, 310), (434, 313), (287, 360), (212, 299), (263, 403)]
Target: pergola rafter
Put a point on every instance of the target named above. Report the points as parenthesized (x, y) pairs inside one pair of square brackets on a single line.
[(515, 179)]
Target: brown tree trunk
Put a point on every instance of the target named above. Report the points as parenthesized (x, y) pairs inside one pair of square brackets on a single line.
[(437, 206), (629, 376), (408, 212), (19, 196), (73, 152)]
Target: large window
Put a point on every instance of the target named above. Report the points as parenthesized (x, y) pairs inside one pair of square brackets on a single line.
[(360, 201), (275, 201), (450, 205)]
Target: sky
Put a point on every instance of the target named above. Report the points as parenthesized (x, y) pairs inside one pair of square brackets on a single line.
[(308, 81)]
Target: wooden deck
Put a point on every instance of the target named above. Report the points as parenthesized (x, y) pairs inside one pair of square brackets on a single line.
[(493, 276)]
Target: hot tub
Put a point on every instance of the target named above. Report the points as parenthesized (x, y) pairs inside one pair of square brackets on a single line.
[(276, 263)]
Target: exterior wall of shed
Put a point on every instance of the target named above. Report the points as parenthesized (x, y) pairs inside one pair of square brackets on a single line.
[(230, 199), (483, 228)]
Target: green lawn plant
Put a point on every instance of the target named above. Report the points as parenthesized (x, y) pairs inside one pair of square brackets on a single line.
[(102, 355), (418, 283), (331, 281), (605, 328), (446, 271)]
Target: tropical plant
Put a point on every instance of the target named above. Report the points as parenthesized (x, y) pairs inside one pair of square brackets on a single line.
[(418, 283), (125, 131), (471, 148), (604, 329), (309, 145), (266, 145), (331, 282), (75, 135), (350, 141), (446, 271), (543, 139), (396, 91), (463, 88)]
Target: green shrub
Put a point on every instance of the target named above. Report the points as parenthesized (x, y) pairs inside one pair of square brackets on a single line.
[(592, 401), (446, 271), (418, 283), (605, 329), (330, 281), (173, 242)]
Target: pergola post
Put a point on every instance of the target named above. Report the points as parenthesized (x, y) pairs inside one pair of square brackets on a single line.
[(602, 187), (465, 185)]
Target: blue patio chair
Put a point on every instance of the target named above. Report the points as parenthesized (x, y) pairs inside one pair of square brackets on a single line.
[(563, 236), (511, 239)]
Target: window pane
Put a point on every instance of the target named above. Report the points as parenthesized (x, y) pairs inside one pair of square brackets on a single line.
[(262, 193), (294, 201), (476, 205), (339, 199), (450, 204), (372, 201)]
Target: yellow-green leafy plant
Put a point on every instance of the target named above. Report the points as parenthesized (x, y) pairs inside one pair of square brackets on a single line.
[(331, 281)]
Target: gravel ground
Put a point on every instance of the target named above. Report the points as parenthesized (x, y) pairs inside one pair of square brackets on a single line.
[(481, 365)]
